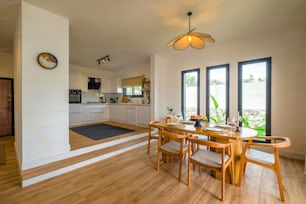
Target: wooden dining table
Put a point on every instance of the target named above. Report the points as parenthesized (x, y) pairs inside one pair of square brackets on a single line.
[(217, 134)]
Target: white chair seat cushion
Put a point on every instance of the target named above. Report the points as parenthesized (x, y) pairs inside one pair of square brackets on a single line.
[(173, 147), (209, 158), (260, 156)]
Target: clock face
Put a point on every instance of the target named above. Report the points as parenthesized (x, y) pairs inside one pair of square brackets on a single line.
[(47, 60)]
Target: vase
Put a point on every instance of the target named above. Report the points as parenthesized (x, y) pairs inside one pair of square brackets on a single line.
[(197, 124)]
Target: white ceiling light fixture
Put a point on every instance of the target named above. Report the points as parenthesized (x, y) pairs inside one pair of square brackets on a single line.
[(193, 39)]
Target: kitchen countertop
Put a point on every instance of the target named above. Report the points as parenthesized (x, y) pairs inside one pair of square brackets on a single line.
[(98, 103)]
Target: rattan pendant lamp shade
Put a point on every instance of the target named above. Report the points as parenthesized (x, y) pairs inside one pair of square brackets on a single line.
[(193, 39)]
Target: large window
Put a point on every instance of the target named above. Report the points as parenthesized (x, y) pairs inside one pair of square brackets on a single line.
[(217, 93), (254, 94), (190, 93), (133, 86), (135, 91)]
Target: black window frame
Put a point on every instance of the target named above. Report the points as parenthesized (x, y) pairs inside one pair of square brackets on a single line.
[(183, 91), (227, 66), (133, 91), (268, 60)]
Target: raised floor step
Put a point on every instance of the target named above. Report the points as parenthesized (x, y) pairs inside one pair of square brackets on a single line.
[(83, 157)]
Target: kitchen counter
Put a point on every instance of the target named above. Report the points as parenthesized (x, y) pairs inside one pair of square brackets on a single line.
[(98, 103), (130, 113)]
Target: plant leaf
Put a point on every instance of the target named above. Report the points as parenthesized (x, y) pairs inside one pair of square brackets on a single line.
[(214, 101)]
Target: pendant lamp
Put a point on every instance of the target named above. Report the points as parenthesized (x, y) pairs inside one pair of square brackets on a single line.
[(193, 39)]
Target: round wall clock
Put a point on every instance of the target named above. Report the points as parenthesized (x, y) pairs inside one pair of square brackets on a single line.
[(47, 60)]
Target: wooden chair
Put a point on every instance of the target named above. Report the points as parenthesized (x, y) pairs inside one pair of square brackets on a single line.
[(265, 159), (217, 161), (153, 134), (173, 145)]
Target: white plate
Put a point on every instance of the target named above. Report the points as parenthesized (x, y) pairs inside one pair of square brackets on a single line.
[(223, 126), (214, 129), (175, 124)]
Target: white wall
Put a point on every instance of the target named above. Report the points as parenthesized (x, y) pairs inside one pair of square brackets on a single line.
[(17, 90), (44, 109), (288, 77), (6, 65), (158, 88)]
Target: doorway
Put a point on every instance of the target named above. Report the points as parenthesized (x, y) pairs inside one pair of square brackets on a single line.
[(6, 107)]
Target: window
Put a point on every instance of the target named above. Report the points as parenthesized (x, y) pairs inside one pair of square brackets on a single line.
[(133, 86), (133, 91), (254, 94), (217, 93), (190, 93)]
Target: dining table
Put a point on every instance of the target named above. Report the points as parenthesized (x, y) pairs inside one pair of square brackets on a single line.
[(217, 133)]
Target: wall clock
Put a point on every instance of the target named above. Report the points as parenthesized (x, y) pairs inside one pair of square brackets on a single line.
[(47, 60)]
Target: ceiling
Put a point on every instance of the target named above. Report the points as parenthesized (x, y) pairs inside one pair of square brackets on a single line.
[(131, 31)]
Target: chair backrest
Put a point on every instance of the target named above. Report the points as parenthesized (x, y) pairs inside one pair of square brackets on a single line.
[(276, 142), (150, 125), (227, 148), (167, 136)]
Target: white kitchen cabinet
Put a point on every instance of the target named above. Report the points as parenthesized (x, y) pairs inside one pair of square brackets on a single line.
[(143, 115), (118, 112), (106, 86), (75, 113), (132, 115), (84, 82), (95, 112), (75, 80)]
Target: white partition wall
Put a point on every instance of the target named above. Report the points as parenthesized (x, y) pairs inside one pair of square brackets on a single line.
[(42, 116)]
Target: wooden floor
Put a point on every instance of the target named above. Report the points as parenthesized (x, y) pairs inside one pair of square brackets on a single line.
[(132, 178)]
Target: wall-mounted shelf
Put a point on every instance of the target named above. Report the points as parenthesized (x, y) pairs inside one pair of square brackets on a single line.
[(146, 85)]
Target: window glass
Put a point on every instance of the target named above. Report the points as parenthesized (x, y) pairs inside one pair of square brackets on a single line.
[(133, 91), (190, 93), (255, 95), (217, 89)]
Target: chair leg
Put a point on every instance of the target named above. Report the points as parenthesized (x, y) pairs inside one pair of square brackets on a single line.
[(158, 160), (223, 185), (180, 168), (279, 179), (232, 172), (188, 173), (149, 141)]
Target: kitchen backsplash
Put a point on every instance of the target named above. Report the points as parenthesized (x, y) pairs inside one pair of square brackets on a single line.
[(95, 96)]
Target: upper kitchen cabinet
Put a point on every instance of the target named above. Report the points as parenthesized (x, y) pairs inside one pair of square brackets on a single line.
[(146, 85), (75, 80), (106, 85), (109, 85)]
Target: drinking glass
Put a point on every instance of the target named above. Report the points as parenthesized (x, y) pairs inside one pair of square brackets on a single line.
[(231, 122)]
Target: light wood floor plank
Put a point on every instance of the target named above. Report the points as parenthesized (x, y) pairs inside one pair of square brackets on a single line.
[(131, 177)]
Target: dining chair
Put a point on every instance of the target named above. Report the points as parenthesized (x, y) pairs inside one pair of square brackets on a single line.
[(153, 134), (265, 159), (218, 160), (172, 145)]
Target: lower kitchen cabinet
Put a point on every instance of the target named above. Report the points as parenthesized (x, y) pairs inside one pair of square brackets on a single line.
[(118, 113), (124, 113), (98, 113), (143, 115), (75, 113), (132, 115)]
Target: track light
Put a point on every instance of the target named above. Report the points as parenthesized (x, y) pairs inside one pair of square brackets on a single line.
[(103, 59)]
